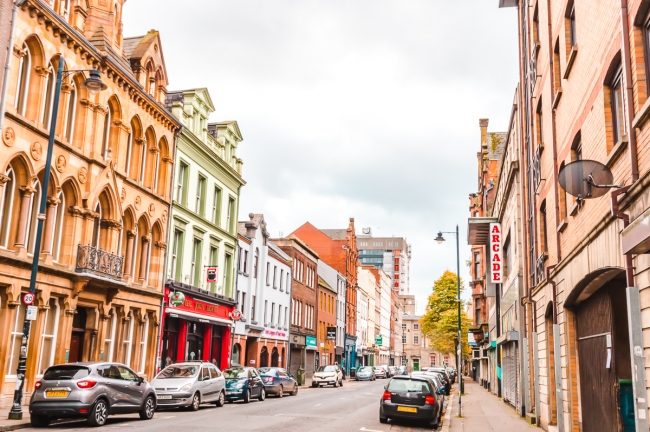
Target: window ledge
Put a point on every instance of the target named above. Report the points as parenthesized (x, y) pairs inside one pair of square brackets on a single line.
[(643, 115), (570, 60), (556, 99), (562, 226), (616, 151), (574, 209)]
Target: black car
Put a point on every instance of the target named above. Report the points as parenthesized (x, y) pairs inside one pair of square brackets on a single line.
[(414, 397), (244, 383), (278, 381)]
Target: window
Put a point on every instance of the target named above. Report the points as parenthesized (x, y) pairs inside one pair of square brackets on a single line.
[(109, 342), (543, 236), (127, 342), (196, 263), (540, 124), (416, 326), (403, 339), (33, 221), (573, 34), (416, 339), (256, 262), (227, 274), (576, 148), (71, 113), (272, 313), (536, 26), (181, 182), (129, 153), (216, 206), (275, 271), (253, 309), (266, 311), (288, 283), (562, 199), (7, 206), (286, 312), (281, 280), (177, 256), (617, 100), (557, 76), (268, 273), (214, 256), (507, 258), (48, 338), (107, 132), (231, 214), (24, 75), (48, 100), (477, 265), (200, 195), (143, 343)]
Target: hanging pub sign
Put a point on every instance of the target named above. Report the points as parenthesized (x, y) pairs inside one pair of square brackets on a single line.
[(211, 275), (496, 259), (176, 299), (331, 333)]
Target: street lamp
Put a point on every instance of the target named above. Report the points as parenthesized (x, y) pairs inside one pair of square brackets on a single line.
[(459, 351), (94, 85)]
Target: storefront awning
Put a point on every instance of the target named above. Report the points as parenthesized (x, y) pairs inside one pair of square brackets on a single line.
[(197, 317), (478, 230)]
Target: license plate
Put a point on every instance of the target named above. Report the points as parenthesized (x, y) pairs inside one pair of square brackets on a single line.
[(164, 396), (57, 393), (407, 409)]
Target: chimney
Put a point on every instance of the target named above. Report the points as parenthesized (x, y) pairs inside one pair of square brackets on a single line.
[(483, 123), (251, 226)]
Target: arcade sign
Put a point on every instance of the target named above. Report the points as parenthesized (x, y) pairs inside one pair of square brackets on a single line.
[(496, 261)]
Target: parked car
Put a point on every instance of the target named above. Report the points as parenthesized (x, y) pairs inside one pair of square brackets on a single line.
[(277, 381), (92, 390), (438, 379), (452, 374), (328, 375), (443, 372), (380, 372), (365, 373), (392, 370), (388, 372), (414, 397), (189, 384), (244, 383), (402, 370)]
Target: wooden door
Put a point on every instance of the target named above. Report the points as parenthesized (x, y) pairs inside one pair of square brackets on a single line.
[(76, 347)]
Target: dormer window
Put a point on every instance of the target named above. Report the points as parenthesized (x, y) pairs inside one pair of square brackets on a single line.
[(65, 9)]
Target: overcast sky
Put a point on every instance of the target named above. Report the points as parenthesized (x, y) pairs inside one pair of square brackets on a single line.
[(350, 108)]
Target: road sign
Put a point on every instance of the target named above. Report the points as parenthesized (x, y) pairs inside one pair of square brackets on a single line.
[(31, 313), (235, 315), (378, 340), (28, 298)]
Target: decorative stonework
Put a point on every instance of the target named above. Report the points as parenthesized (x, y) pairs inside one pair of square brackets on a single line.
[(82, 175), (138, 202), (164, 216), (9, 137), (160, 244), (123, 195), (152, 209), (36, 151), (61, 163)]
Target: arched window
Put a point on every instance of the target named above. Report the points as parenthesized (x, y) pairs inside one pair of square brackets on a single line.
[(97, 226), (65, 9), (107, 132), (143, 343), (143, 161), (109, 342), (48, 337), (22, 87), (58, 228), (33, 221), (7, 206), (71, 113), (156, 166), (127, 339), (129, 149), (48, 100)]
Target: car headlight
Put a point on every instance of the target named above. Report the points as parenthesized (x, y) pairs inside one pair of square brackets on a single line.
[(186, 387), (240, 385)]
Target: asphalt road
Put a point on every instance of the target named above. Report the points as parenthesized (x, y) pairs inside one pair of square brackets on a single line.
[(353, 407)]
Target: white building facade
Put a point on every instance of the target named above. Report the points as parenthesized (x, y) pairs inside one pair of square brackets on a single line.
[(362, 325), (385, 312)]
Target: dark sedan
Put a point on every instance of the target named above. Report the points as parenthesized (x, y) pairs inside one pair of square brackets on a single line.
[(244, 383), (277, 381), (414, 398)]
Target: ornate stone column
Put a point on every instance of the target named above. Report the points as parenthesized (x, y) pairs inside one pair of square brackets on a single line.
[(128, 258), (142, 274), (26, 193), (50, 224)]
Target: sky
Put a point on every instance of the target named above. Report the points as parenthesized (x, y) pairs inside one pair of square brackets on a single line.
[(350, 108)]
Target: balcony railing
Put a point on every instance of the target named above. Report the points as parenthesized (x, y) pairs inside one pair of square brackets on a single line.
[(100, 262)]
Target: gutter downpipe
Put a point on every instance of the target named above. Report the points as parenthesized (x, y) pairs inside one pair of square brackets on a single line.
[(5, 79), (627, 61), (557, 355)]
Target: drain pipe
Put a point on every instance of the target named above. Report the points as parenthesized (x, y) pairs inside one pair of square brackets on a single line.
[(557, 355), (617, 213), (627, 61), (10, 48)]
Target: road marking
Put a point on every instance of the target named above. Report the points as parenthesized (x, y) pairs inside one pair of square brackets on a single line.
[(318, 404), (370, 394), (278, 414), (369, 430), (169, 417)]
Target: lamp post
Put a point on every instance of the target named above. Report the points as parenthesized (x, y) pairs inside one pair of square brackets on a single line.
[(459, 351), (94, 84)]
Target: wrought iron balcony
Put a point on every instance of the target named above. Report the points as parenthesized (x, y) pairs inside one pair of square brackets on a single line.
[(92, 259)]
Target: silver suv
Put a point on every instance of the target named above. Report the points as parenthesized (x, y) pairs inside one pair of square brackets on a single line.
[(91, 391), (189, 384)]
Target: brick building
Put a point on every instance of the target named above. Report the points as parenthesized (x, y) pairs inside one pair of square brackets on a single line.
[(326, 320), (304, 306), (338, 248)]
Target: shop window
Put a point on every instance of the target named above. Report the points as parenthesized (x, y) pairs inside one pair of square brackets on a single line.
[(143, 344), (109, 342), (48, 337), (16, 337), (127, 339)]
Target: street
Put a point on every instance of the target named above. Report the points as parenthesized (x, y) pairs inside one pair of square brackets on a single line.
[(353, 407)]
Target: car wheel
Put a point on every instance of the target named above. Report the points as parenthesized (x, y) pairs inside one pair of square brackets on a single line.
[(221, 401), (196, 402), (383, 419), (341, 382), (295, 390), (39, 421), (262, 395), (247, 396), (336, 384), (314, 385), (98, 413), (148, 408), (433, 424), (280, 392)]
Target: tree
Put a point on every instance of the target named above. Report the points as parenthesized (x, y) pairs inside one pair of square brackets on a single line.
[(444, 334), (443, 298)]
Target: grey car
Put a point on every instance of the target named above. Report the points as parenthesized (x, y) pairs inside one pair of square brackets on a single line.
[(92, 391), (190, 384), (365, 373)]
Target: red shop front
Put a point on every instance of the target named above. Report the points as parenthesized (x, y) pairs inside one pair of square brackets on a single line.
[(199, 328)]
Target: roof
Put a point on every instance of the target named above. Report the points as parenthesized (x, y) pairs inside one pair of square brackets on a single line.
[(410, 317), (275, 248), (322, 283), (478, 230), (129, 44), (336, 234)]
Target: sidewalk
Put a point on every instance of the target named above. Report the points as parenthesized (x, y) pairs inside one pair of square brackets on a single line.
[(9, 425), (484, 412)]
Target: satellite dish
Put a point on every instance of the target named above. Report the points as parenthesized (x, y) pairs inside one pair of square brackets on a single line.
[(586, 179)]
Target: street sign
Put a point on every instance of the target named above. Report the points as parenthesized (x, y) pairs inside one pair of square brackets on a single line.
[(235, 315), (31, 313), (379, 340), (211, 275), (28, 298)]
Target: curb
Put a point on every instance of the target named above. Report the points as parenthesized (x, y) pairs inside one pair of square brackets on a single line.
[(23, 425), (446, 422)]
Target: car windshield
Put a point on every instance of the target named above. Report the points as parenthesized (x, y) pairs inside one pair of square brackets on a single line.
[(66, 373), (379, 368), (267, 371), (366, 369), (408, 385), (327, 369), (235, 373), (178, 371)]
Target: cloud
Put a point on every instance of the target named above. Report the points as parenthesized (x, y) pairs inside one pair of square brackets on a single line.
[(350, 108)]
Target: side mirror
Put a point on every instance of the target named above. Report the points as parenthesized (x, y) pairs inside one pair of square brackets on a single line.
[(140, 380)]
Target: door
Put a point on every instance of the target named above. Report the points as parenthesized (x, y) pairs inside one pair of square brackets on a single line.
[(206, 385), (256, 383), (416, 365), (76, 347), (218, 381), (114, 386), (133, 390)]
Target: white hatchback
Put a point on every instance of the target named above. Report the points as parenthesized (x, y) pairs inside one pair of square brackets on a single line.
[(328, 375)]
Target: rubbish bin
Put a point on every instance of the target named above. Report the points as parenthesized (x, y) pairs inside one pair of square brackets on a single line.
[(301, 377), (353, 373), (626, 404)]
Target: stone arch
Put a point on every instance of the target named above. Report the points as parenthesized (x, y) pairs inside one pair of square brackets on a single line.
[(67, 238), (157, 253), (264, 357), (106, 220), (73, 110), (164, 167), (275, 357), (30, 104), (136, 150), (152, 158)]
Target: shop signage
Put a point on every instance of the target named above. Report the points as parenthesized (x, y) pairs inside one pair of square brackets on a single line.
[(331, 333), (176, 299), (211, 275), (311, 342), (495, 253), (378, 340), (274, 333)]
